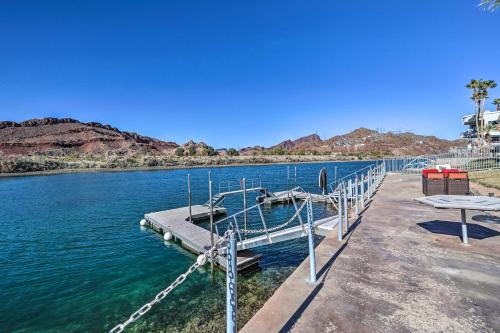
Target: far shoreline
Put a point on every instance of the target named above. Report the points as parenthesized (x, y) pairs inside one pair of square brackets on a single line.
[(163, 168)]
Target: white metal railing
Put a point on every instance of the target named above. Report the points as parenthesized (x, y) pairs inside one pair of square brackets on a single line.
[(469, 159), (235, 185)]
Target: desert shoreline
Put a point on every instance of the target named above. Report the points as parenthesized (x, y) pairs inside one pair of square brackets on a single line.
[(173, 167)]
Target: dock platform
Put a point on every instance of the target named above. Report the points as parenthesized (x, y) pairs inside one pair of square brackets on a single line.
[(192, 236)]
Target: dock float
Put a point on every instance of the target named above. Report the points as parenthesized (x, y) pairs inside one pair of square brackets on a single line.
[(193, 237)]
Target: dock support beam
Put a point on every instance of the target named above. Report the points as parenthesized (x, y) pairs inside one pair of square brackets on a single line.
[(312, 257), (231, 285)]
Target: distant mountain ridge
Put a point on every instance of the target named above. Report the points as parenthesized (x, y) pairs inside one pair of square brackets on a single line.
[(62, 136), (361, 140)]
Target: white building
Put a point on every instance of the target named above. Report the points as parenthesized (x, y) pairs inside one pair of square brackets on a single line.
[(491, 120)]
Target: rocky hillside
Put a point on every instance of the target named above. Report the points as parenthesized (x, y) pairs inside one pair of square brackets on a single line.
[(361, 141), (66, 136), (51, 143)]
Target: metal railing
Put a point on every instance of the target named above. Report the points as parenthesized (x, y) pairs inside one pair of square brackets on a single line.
[(469, 159), (235, 185)]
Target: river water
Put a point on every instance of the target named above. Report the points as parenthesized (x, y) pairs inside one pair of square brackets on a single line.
[(73, 257)]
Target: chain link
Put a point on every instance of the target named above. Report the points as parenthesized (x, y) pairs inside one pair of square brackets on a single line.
[(275, 228), (162, 294)]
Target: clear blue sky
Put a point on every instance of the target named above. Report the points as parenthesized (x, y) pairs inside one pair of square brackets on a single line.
[(236, 73)]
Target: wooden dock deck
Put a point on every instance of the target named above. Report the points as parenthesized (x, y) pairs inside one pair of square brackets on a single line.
[(192, 236)]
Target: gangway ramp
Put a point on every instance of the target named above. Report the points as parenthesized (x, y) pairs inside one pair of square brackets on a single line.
[(297, 192), (321, 227)]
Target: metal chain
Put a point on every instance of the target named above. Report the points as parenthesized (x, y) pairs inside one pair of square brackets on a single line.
[(275, 228), (260, 231), (162, 294)]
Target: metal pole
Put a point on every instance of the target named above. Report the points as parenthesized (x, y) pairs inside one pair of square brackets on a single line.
[(369, 184), (231, 285), (189, 198), (349, 190), (335, 175), (362, 191), (340, 215), (346, 210), (356, 194), (312, 257), (211, 217), (288, 181), (295, 176), (245, 204), (464, 227)]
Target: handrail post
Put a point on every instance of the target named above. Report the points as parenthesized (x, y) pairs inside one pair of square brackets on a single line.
[(356, 194), (362, 191), (189, 199), (369, 184), (211, 218), (312, 257), (349, 190), (245, 204), (340, 215), (295, 175), (263, 223), (231, 285), (346, 209), (296, 210)]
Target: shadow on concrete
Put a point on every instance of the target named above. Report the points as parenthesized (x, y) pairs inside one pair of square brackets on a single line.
[(487, 219), (321, 276), (475, 231)]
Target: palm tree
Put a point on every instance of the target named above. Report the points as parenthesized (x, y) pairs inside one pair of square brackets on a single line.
[(474, 86), (496, 102), (483, 89), (490, 5), (479, 95)]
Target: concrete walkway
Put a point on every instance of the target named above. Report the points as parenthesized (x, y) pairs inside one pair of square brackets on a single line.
[(402, 269)]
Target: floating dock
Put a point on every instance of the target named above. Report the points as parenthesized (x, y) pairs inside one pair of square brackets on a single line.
[(193, 237)]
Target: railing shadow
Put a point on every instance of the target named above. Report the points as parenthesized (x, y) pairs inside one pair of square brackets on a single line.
[(321, 275)]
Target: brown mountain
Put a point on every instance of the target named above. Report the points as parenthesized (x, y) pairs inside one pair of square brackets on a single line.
[(364, 140), (66, 135), (307, 141), (52, 143)]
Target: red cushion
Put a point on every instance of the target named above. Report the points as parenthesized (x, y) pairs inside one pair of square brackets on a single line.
[(447, 171), (426, 171)]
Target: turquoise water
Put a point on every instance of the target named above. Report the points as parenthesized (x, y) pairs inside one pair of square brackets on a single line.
[(73, 257)]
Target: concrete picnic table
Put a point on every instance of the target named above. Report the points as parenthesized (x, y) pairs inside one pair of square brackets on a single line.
[(462, 202)]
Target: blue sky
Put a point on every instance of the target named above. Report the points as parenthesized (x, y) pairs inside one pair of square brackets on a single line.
[(235, 73)]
